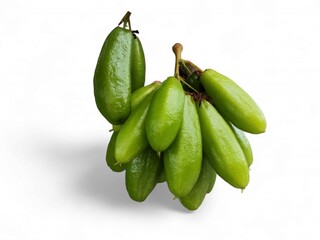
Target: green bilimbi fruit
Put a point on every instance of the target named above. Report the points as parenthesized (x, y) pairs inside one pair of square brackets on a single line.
[(165, 114), (222, 148), (112, 77), (193, 200), (132, 140), (139, 95), (138, 68), (111, 161), (142, 174), (233, 102), (182, 160), (244, 144)]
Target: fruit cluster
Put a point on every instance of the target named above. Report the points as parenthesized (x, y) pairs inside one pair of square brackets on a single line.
[(182, 131)]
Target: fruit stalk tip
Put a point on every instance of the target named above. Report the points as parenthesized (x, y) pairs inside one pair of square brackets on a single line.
[(177, 49)]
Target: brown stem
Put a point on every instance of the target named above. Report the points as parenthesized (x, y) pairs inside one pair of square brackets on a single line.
[(126, 20), (177, 49)]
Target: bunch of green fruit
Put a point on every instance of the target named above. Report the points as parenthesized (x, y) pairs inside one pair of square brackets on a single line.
[(182, 131)]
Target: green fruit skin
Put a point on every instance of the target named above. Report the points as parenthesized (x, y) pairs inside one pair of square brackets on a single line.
[(213, 174), (162, 177), (111, 161), (165, 114), (222, 148), (194, 199), (142, 174), (140, 94), (244, 144), (116, 128), (112, 77), (132, 139), (138, 69), (182, 160), (233, 102)]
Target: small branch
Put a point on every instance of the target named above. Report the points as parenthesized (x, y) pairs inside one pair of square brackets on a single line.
[(182, 80), (177, 49), (126, 20)]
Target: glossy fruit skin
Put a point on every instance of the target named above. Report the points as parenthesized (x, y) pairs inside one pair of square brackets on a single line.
[(165, 114), (139, 95), (138, 68), (132, 140), (244, 144), (142, 174), (222, 148), (112, 77), (182, 160), (233, 102), (194, 199), (110, 159)]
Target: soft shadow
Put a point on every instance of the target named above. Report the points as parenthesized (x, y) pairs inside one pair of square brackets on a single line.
[(83, 166), (161, 196)]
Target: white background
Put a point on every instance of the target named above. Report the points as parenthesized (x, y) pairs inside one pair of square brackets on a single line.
[(54, 183)]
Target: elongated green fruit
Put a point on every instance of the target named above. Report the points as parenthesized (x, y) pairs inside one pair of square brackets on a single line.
[(222, 148), (132, 139), (182, 160), (233, 102), (194, 199), (138, 69), (142, 174), (165, 114), (244, 144), (111, 161), (140, 94), (112, 77), (212, 179)]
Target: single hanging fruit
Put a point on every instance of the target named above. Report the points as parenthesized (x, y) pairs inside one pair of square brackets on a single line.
[(112, 77), (222, 148), (165, 114), (233, 102), (182, 160), (132, 139), (120, 70), (142, 174)]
